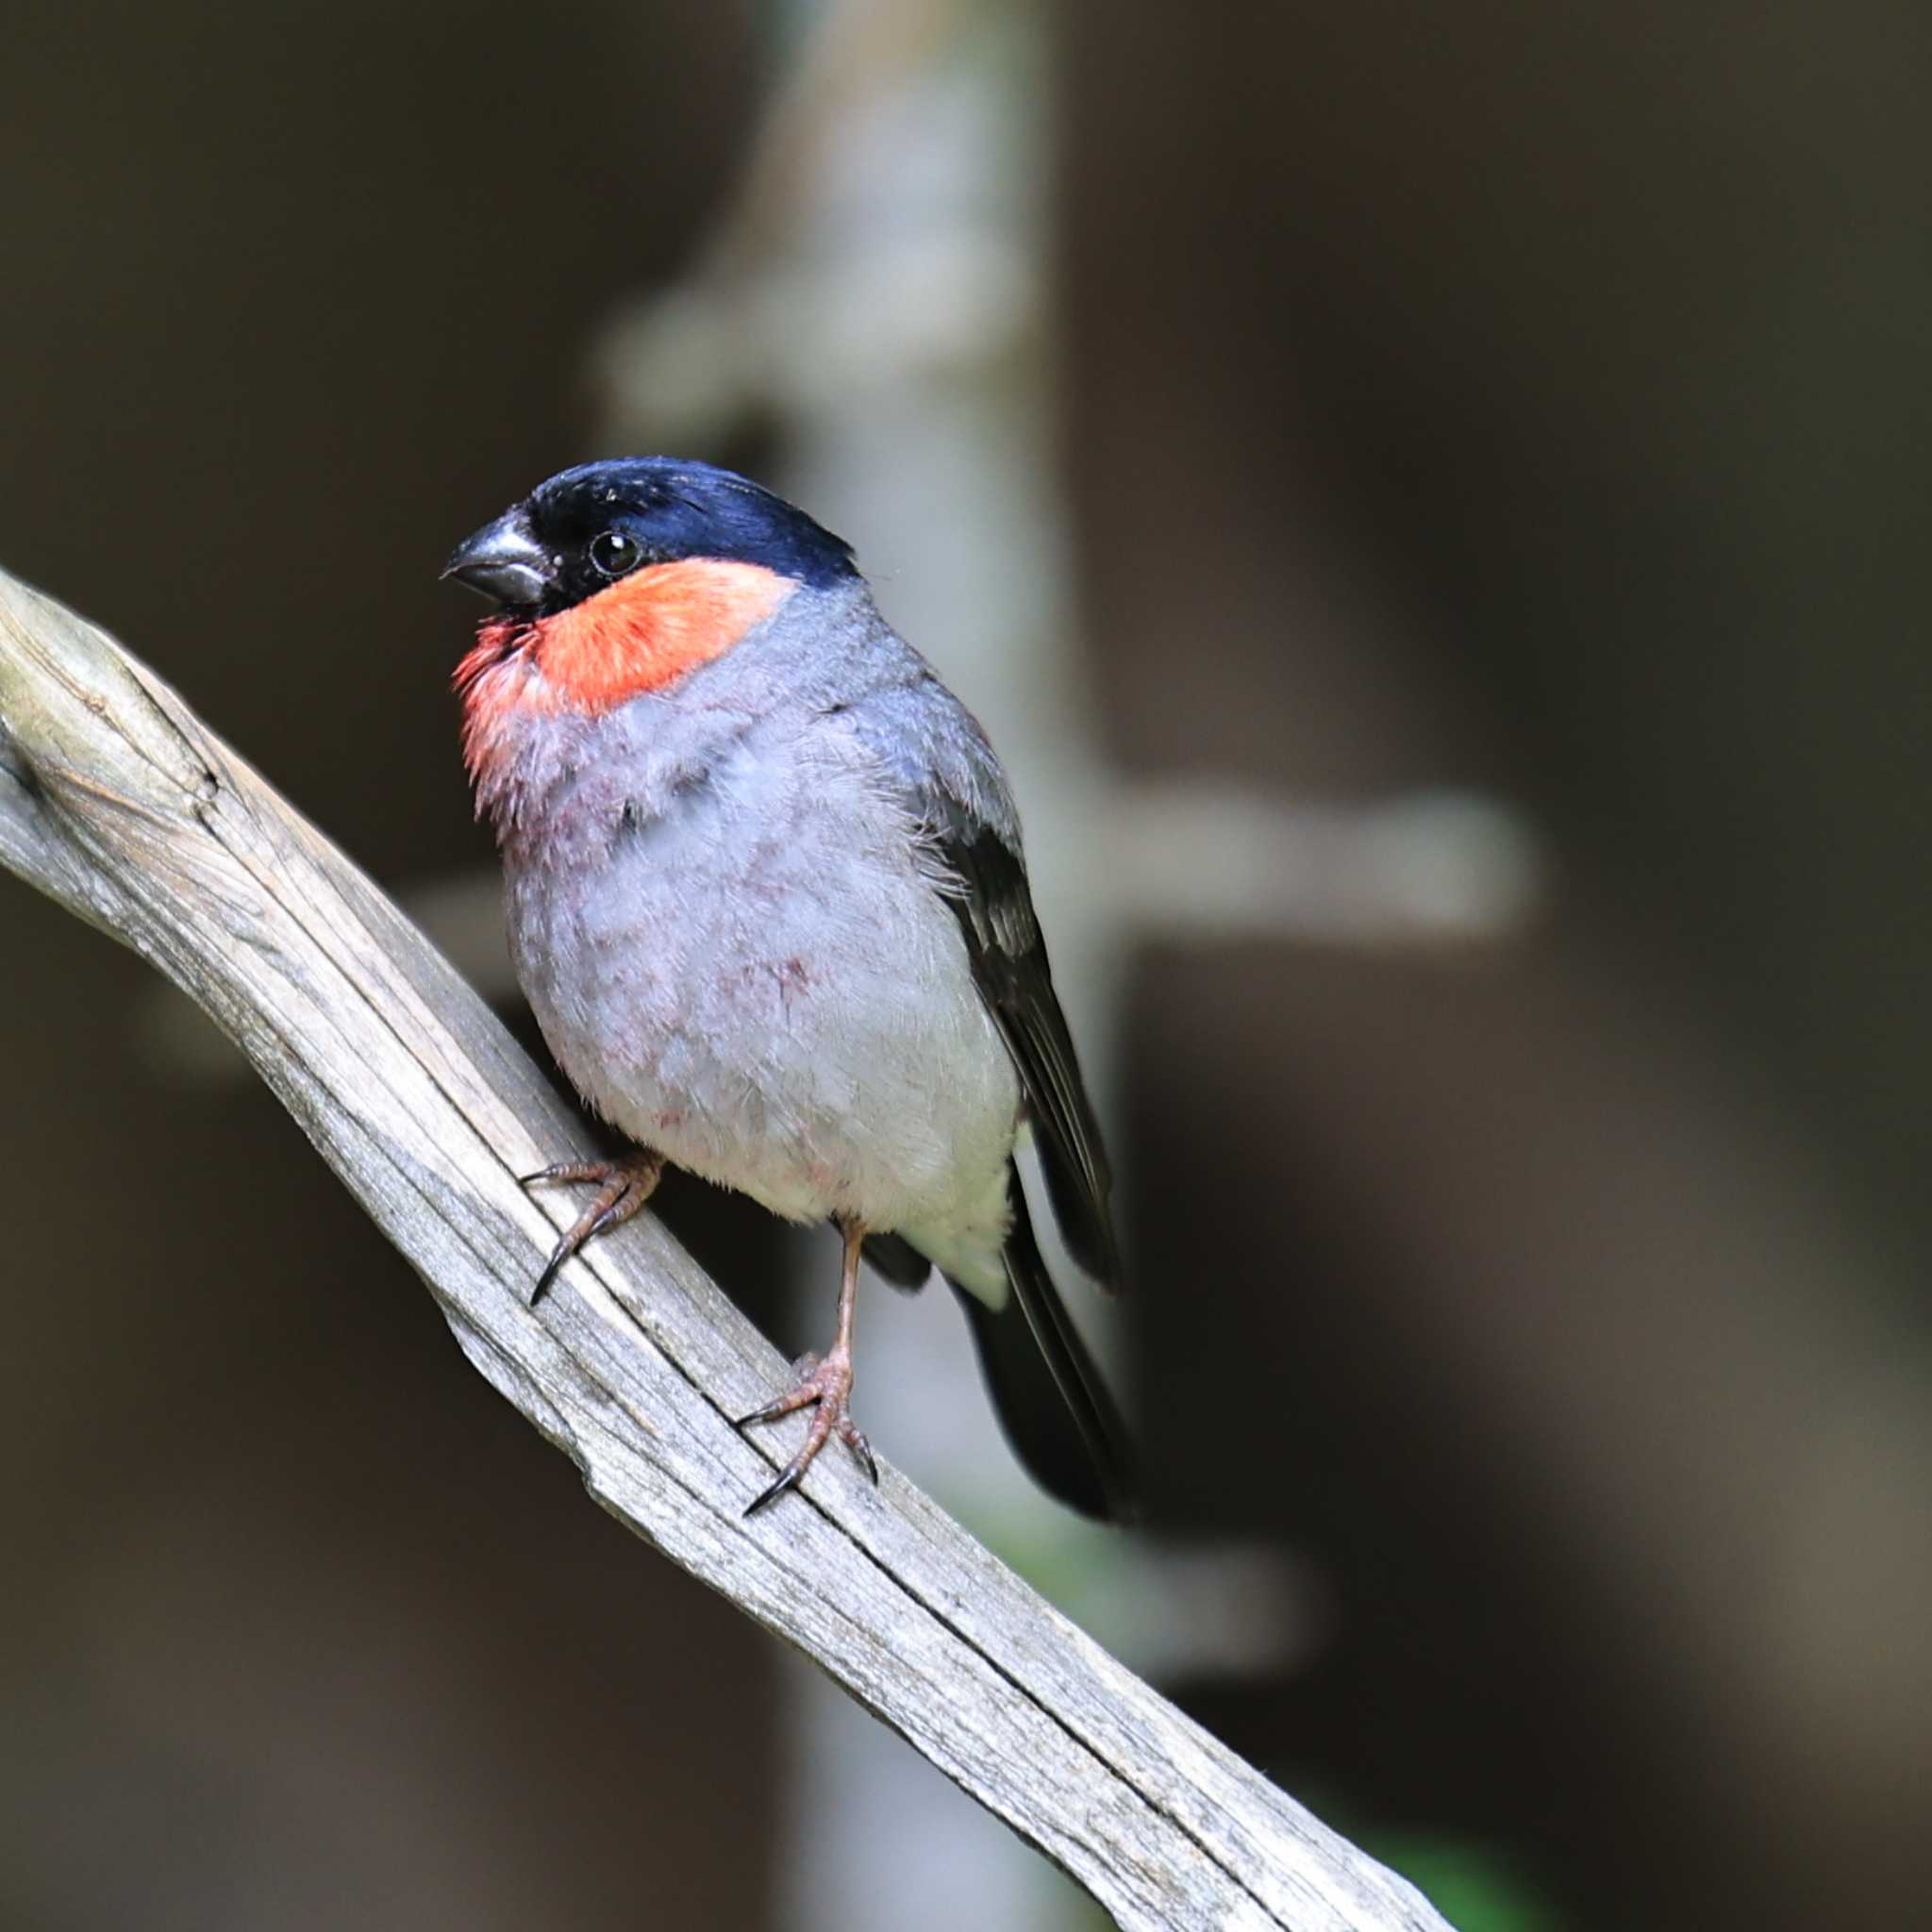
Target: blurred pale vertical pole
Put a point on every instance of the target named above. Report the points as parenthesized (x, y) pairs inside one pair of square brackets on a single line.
[(935, 443), (917, 423)]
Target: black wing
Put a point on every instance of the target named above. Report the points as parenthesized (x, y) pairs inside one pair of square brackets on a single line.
[(994, 907)]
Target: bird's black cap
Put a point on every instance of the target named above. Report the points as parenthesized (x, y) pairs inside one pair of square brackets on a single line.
[(585, 526)]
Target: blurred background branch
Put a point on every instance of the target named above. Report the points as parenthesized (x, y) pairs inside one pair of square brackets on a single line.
[(117, 802)]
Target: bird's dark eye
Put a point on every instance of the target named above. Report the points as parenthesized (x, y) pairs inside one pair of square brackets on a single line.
[(614, 553)]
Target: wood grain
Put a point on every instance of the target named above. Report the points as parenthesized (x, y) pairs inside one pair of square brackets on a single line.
[(118, 803)]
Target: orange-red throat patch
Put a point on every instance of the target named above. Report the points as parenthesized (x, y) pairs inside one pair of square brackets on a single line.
[(641, 633), (649, 629)]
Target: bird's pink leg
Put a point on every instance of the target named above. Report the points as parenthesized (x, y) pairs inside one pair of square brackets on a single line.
[(624, 1186), (825, 1386)]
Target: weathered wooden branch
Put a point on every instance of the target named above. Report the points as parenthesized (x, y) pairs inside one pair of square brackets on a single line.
[(118, 803)]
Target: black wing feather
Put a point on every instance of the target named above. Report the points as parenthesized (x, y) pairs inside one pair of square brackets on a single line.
[(994, 907)]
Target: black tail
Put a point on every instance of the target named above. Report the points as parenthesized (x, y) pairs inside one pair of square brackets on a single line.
[(1046, 1392)]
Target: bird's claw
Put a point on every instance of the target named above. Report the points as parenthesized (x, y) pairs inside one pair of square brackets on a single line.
[(624, 1187), (823, 1386)]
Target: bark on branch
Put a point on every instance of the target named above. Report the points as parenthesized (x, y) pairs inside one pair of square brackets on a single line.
[(118, 803)]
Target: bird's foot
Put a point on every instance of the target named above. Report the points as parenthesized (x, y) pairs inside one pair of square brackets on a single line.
[(623, 1187), (823, 1386)]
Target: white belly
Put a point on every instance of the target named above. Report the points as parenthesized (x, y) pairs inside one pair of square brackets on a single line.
[(762, 986)]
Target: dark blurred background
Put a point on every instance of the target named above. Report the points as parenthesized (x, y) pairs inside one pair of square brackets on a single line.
[(1520, 401)]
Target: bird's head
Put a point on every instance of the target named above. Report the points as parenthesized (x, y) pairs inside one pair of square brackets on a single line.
[(618, 578)]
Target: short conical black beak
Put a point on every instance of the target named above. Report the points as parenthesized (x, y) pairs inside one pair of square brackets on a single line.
[(504, 561)]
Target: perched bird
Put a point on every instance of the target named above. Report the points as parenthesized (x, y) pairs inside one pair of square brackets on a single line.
[(765, 895)]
